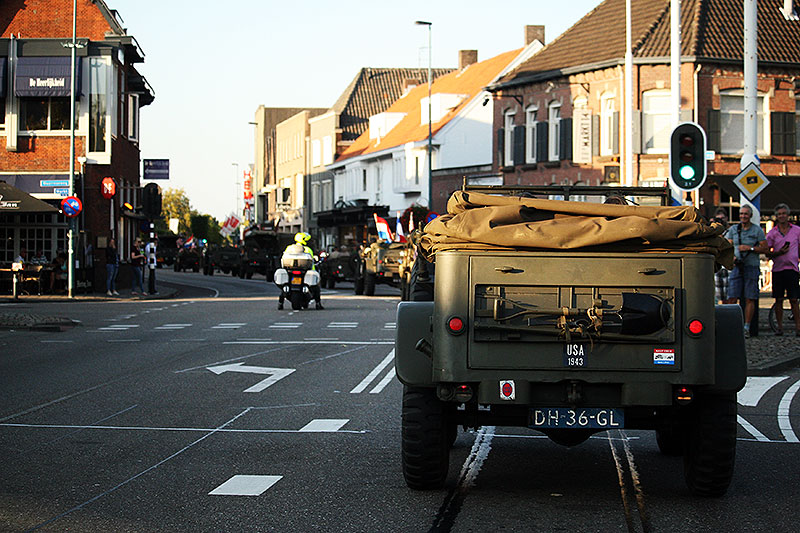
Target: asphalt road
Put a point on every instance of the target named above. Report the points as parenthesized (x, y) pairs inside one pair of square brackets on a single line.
[(214, 411)]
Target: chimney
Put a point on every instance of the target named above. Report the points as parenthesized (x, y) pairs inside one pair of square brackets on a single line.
[(466, 58), (408, 84), (534, 33)]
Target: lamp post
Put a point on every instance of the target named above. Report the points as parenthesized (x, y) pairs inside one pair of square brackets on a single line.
[(71, 231), (430, 125)]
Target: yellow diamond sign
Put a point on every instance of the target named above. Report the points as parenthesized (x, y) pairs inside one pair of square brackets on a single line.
[(751, 181)]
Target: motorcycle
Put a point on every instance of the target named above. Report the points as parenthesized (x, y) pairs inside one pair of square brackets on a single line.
[(296, 277)]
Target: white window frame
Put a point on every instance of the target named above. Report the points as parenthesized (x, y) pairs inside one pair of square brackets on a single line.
[(797, 130), (656, 121), (530, 133), (110, 114), (133, 117), (327, 150), (607, 110), (316, 155), (553, 130), (730, 143), (508, 134)]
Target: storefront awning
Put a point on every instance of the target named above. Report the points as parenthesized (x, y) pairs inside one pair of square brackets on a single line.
[(45, 76), (56, 184), (3, 63), (348, 215), (13, 201)]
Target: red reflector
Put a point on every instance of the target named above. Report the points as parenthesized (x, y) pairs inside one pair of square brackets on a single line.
[(696, 327), (455, 324), (296, 272)]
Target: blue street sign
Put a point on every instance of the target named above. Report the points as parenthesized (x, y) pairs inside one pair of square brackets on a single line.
[(71, 206), (156, 169)]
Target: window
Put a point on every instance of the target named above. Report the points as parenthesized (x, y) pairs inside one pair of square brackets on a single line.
[(327, 150), (316, 156), (44, 113), (2, 111), (363, 179), (508, 143), (530, 134), (378, 185), (133, 117), (732, 122), (607, 109), (316, 200), (797, 132), (416, 169), (554, 130), (656, 121), (98, 94)]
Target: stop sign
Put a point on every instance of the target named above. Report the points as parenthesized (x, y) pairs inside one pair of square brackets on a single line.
[(108, 188)]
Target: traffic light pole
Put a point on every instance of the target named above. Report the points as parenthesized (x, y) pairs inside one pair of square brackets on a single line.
[(751, 99)]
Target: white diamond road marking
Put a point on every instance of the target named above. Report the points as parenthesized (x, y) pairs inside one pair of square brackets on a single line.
[(245, 485), (286, 325), (390, 325), (324, 425), (174, 326), (231, 325), (343, 325)]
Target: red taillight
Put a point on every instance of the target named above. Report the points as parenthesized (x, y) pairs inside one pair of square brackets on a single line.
[(695, 327), (455, 325), (296, 272)]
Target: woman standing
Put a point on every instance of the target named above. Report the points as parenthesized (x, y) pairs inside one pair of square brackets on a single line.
[(137, 262), (112, 267)]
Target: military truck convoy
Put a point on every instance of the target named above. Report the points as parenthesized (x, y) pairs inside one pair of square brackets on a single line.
[(378, 264), (571, 318)]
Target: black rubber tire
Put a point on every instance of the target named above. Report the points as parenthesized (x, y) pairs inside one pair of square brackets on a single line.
[(176, 267), (196, 268), (671, 441), (211, 270), (241, 273), (369, 284), (711, 444), (425, 439), (270, 275), (297, 301), (249, 275), (358, 285)]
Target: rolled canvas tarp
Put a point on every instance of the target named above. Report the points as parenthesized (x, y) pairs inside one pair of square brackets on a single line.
[(478, 221)]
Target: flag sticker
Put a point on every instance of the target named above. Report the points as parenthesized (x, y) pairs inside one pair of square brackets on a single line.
[(663, 356)]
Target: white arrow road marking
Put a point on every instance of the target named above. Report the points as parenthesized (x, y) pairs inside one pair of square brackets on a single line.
[(755, 388), (245, 486), (372, 375), (277, 374), (324, 425), (784, 422)]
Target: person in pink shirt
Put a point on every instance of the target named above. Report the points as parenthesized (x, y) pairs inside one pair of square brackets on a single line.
[(784, 244)]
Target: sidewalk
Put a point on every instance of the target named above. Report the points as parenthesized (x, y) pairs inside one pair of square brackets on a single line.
[(39, 322)]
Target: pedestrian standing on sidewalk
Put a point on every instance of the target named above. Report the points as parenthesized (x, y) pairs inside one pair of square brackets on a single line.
[(137, 262), (112, 268), (748, 241), (784, 246), (150, 252)]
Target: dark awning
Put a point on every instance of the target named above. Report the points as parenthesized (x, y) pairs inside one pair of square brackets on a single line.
[(350, 215), (3, 63), (45, 76), (13, 200), (781, 189), (39, 183)]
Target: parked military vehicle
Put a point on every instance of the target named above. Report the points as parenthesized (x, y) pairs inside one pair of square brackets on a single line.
[(339, 265), (571, 318), (187, 258), (407, 257), (167, 250), (220, 258), (378, 265), (261, 251)]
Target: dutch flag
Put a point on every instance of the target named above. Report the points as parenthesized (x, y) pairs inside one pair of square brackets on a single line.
[(383, 228)]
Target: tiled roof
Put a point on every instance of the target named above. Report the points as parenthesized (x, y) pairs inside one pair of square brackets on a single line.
[(371, 92), (710, 29), (467, 82)]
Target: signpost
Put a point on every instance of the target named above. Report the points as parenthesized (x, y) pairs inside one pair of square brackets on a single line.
[(108, 188)]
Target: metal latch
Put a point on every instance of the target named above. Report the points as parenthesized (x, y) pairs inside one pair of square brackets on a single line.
[(507, 270)]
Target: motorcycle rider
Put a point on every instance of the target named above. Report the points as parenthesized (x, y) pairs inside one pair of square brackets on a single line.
[(302, 239)]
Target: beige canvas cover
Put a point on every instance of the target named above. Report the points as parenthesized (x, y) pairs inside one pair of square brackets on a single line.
[(478, 221)]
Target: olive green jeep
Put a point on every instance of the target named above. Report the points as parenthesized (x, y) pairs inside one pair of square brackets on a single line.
[(544, 331), (378, 265)]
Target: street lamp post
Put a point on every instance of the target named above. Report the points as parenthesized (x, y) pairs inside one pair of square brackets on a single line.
[(430, 125), (71, 230)]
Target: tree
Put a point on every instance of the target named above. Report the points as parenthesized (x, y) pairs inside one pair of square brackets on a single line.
[(175, 204), (206, 227)]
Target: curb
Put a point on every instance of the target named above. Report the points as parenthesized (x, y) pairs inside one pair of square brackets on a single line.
[(773, 368), (161, 295)]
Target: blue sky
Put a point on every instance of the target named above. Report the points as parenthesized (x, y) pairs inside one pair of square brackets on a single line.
[(211, 64)]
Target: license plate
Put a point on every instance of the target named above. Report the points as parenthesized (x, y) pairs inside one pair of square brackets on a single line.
[(565, 418), (297, 281)]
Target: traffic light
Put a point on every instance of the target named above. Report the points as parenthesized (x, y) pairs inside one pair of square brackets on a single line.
[(687, 156), (151, 201)]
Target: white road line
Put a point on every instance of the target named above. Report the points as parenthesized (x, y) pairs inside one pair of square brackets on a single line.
[(56, 342), (347, 325), (118, 327), (750, 428), (385, 381), (784, 422), (187, 340), (318, 339), (391, 343), (286, 325), (169, 429), (372, 375), (390, 325), (241, 485), (755, 388), (324, 425)]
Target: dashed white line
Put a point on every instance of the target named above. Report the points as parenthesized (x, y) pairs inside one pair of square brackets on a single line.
[(243, 485), (385, 381), (343, 325), (286, 325), (173, 326), (232, 325), (372, 375), (390, 325), (324, 425)]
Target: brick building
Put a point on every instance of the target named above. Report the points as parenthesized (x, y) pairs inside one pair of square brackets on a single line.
[(560, 117), (35, 81)]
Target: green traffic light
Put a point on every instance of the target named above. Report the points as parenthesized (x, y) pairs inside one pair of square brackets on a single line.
[(686, 172)]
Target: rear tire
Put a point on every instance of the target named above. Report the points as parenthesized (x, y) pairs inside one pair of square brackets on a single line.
[(711, 445), (426, 438), (331, 283), (249, 275), (297, 301), (369, 284)]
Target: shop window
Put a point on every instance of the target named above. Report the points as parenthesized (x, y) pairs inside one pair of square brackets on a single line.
[(44, 113)]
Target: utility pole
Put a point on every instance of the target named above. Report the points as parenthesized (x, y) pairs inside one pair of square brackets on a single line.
[(430, 118), (72, 220), (675, 83), (751, 99)]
